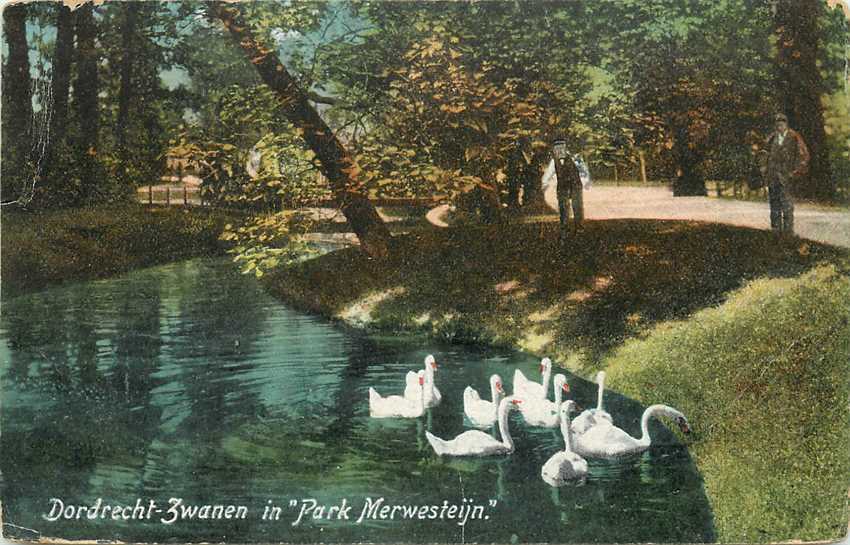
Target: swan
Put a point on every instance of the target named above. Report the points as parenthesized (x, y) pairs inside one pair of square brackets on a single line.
[(476, 442), (480, 412), (605, 440), (432, 394), (592, 417), (565, 465), (397, 406), (526, 389), (542, 412)]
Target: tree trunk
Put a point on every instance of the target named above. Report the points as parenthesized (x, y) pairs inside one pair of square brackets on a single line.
[(17, 100), (61, 81), (125, 92), (86, 84), (642, 157), (801, 87), (689, 181), (335, 162), (85, 97)]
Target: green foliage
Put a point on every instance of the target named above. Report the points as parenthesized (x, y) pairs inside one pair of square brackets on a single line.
[(763, 380), (265, 242), (696, 78), (459, 93), (837, 126)]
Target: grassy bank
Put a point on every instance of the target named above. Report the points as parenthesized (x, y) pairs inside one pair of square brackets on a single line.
[(611, 297), (43, 248), (765, 378)]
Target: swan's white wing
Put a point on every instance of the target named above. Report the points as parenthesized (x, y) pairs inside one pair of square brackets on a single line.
[(563, 467), (539, 412), (583, 422), (411, 386), (588, 419), (606, 440), (393, 406), (473, 443), (480, 412), (521, 384)]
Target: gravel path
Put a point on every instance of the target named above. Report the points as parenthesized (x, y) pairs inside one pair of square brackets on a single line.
[(605, 202)]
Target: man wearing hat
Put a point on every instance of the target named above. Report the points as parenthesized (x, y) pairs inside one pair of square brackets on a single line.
[(787, 161), (568, 189)]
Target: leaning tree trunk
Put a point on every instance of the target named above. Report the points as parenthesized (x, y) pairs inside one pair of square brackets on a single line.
[(801, 87), (689, 181), (335, 162), (17, 99)]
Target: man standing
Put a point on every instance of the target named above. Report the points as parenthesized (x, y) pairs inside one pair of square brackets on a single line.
[(568, 187), (787, 161)]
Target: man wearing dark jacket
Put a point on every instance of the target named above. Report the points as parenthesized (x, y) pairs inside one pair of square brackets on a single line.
[(787, 161), (569, 189)]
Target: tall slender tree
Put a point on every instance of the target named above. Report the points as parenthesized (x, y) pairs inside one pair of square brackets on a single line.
[(63, 55), (86, 83), (800, 86), (125, 93), (17, 98), (335, 161), (86, 87)]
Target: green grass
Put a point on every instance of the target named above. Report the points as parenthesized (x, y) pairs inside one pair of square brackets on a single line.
[(509, 285), (764, 379), (761, 372), (43, 248)]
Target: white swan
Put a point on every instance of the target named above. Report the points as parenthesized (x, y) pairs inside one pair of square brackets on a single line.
[(476, 442), (526, 389), (605, 440), (542, 412), (432, 394), (592, 417), (483, 413), (397, 406), (565, 465)]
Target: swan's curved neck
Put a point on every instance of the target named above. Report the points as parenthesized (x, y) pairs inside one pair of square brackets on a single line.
[(567, 433), (507, 440), (494, 393), (644, 422), (429, 378), (547, 376), (559, 396), (599, 392)]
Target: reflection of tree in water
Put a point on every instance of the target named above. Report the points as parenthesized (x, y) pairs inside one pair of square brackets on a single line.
[(212, 341), (57, 434)]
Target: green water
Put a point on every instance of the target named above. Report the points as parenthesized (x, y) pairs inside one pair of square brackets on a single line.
[(188, 381)]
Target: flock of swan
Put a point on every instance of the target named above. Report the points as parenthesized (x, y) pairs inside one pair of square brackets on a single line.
[(592, 434)]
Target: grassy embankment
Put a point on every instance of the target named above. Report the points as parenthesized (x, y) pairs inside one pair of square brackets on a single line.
[(43, 248), (744, 331)]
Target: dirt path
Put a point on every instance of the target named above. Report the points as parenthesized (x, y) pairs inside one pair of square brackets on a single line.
[(605, 202)]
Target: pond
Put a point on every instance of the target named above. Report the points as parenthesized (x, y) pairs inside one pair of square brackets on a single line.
[(188, 381)]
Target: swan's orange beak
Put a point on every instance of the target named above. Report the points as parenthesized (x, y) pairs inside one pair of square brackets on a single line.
[(542, 369), (566, 387), (434, 365), (421, 381), (499, 387), (516, 401)]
